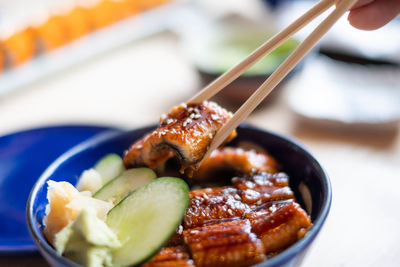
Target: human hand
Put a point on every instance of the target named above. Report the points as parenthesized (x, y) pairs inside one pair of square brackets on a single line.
[(373, 14)]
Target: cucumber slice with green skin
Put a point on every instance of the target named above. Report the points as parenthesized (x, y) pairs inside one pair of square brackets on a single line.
[(109, 167), (125, 183), (146, 219)]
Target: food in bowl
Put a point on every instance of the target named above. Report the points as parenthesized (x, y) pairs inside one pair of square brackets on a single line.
[(238, 213)]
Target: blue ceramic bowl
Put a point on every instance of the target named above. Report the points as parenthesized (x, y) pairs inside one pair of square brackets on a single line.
[(307, 179)]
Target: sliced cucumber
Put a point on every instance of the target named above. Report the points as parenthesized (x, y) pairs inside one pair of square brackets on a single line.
[(109, 167), (125, 183), (147, 218)]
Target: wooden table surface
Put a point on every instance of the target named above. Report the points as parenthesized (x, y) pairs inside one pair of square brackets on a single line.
[(131, 87)]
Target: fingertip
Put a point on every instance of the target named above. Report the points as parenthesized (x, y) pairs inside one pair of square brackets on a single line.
[(357, 20), (373, 15)]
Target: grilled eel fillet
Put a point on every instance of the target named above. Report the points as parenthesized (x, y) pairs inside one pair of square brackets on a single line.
[(236, 159), (185, 132), (209, 208), (263, 187), (209, 205), (279, 224), (224, 244), (225, 227)]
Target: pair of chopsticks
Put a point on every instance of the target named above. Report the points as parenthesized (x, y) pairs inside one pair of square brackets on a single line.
[(280, 73)]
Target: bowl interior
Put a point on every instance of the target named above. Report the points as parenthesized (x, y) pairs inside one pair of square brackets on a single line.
[(307, 179)]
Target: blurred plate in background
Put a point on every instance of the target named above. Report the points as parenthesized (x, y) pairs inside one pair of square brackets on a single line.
[(347, 95)]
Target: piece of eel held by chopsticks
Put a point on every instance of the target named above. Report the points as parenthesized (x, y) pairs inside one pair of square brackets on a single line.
[(185, 133)]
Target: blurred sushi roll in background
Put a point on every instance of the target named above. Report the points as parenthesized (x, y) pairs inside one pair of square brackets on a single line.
[(53, 27)]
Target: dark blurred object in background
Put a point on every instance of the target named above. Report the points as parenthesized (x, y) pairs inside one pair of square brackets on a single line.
[(230, 44), (223, 34), (275, 3)]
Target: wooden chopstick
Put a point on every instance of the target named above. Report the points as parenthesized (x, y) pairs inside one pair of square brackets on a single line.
[(230, 75), (283, 69)]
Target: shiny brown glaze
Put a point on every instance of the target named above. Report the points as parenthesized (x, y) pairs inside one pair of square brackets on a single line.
[(263, 187), (171, 256), (224, 244), (279, 224), (214, 191), (185, 132), (237, 160), (211, 205)]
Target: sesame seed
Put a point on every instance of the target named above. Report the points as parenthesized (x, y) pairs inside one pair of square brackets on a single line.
[(205, 196), (214, 117), (187, 121), (230, 212), (272, 208), (235, 179), (180, 229)]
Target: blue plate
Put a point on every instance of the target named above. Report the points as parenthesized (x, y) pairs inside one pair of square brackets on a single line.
[(23, 157)]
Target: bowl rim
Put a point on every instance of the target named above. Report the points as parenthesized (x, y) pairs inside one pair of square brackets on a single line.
[(281, 258)]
